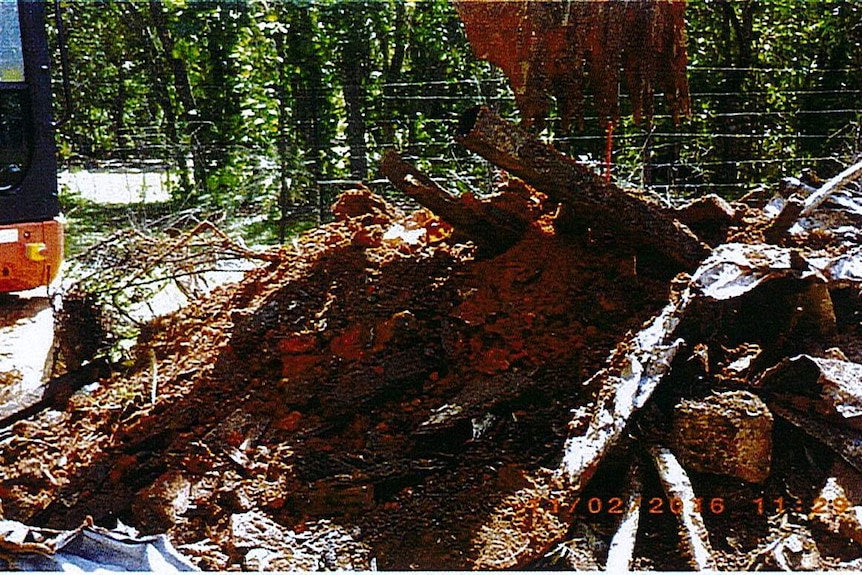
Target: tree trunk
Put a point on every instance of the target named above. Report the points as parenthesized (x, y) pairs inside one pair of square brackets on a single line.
[(219, 105), (737, 34), (307, 89), (590, 200), (183, 88), (118, 107), (156, 74), (283, 160), (355, 52), (393, 70)]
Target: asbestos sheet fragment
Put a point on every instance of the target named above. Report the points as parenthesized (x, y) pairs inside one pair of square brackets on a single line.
[(265, 545), (792, 549), (677, 486), (635, 369), (836, 382), (735, 269), (845, 268)]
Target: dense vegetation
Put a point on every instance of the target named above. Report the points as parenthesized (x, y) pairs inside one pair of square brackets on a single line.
[(278, 103)]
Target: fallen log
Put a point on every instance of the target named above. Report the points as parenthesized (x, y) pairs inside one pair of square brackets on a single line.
[(54, 392), (491, 229), (597, 204), (637, 366), (677, 487)]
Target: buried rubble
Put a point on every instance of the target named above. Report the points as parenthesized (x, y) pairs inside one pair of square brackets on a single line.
[(393, 392)]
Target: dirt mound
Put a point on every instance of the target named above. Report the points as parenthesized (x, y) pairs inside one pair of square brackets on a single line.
[(378, 386), (387, 394)]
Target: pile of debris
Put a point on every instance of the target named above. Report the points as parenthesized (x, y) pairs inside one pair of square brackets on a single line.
[(432, 390)]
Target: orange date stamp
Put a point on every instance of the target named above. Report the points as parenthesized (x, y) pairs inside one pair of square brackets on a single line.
[(817, 506), (711, 505), (652, 505)]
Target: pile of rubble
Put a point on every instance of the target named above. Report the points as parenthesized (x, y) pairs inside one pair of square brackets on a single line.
[(432, 390), (376, 377)]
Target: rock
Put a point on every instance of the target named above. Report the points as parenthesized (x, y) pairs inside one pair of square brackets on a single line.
[(362, 203), (709, 217), (727, 433), (836, 383), (159, 506), (261, 544)]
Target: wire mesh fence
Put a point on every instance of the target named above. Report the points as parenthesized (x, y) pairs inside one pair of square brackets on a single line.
[(731, 143)]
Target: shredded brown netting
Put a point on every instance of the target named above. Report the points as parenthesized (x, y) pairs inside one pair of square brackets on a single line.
[(557, 49)]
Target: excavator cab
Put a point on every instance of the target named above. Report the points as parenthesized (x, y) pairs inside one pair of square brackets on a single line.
[(31, 228)]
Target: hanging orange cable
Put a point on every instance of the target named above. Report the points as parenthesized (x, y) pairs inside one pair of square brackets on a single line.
[(609, 148)]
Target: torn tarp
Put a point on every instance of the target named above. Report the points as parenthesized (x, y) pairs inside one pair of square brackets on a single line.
[(88, 548)]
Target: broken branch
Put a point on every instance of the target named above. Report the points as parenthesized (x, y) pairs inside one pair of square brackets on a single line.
[(494, 230), (52, 393)]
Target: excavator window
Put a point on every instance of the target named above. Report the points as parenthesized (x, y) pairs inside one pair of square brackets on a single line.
[(11, 52), (15, 117)]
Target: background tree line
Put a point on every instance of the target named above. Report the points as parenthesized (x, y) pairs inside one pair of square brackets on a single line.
[(275, 105)]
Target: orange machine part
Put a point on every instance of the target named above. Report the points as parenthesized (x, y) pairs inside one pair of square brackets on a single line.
[(30, 254)]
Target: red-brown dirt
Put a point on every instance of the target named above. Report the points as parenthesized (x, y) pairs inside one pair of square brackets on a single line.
[(377, 377)]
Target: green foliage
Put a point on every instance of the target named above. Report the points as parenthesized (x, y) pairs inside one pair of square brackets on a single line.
[(260, 103), (771, 83)]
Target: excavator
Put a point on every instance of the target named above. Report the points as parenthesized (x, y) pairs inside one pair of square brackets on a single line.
[(31, 225)]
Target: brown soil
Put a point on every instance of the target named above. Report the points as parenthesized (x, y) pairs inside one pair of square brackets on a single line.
[(401, 389)]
